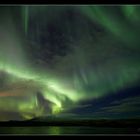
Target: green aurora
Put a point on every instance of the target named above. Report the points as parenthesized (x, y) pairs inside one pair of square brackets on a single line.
[(116, 62)]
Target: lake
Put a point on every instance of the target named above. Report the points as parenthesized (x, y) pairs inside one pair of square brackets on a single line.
[(66, 130)]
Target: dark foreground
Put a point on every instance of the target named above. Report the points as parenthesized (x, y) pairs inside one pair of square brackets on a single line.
[(67, 130), (71, 126), (135, 123)]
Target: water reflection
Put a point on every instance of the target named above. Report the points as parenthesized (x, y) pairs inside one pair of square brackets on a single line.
[(57, 130), (54, 130)]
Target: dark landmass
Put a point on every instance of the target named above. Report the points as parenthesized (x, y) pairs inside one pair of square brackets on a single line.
[(117, 123)]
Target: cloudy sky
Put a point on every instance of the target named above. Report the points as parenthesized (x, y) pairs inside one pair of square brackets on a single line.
[(76, 60)]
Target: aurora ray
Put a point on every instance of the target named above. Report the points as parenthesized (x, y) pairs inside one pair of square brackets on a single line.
[(67, 55)]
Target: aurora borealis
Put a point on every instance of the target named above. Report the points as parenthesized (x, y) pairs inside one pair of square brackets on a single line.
[(69, 60)]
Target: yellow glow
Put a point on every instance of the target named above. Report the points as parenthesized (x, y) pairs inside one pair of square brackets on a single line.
[(56, 109)]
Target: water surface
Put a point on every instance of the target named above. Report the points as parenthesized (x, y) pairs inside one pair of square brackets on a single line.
[(66, 130)]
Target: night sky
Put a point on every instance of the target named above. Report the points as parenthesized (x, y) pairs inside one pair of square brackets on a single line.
[(69, 61)]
